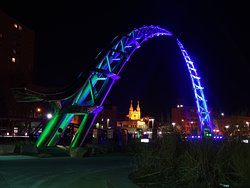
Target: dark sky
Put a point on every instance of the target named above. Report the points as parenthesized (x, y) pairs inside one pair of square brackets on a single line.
[(69, 35)]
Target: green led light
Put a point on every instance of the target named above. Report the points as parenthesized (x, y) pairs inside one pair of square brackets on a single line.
[(63, 125), (47, 130), (77, 137)]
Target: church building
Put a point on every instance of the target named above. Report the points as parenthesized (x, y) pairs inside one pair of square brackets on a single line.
[(134, 121), (134, 114)]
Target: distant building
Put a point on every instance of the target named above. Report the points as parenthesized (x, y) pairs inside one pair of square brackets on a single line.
[(107, 118), (134, 122), (185, 119), (16, 58), (232, 125), (134, 114)]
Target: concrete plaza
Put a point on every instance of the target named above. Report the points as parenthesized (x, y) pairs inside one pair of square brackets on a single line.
[(103, 171)]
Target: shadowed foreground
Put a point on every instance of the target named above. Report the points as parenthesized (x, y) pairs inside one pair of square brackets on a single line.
[(106, 171)]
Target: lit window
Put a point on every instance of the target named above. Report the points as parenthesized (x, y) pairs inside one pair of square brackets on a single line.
[(13, 59), (20, 28), (15, 25)]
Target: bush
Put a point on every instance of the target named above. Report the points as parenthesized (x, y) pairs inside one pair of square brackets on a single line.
[(155, 164), (171, 162)]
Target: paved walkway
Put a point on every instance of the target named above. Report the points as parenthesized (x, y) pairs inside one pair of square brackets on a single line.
[(105, 171)]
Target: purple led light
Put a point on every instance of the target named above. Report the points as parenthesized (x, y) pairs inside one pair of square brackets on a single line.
[(118, 57), (218, 137), (202, 108), (194, 137)]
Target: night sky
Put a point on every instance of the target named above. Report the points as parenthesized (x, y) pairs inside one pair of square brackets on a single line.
[(69, 35)]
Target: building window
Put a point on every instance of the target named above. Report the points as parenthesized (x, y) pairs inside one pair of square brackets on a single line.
[(15, 25), (13, 59)]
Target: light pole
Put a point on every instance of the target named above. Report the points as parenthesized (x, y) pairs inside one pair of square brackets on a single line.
[(173, 123), (154, 130), (247, 127), (108, 122), (227, 127), (152, 122)]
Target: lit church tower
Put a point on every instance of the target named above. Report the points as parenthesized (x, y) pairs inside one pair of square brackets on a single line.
[(134, 114), (131, 110), (138, 110)]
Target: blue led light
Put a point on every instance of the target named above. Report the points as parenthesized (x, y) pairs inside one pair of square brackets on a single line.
[(199, 137), (203, 113), (109, 65), (194, 137)]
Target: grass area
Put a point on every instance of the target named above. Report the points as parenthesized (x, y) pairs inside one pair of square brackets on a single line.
[(172, 162)]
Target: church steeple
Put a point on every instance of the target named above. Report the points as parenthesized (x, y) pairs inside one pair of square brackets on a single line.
[(131, 106), (134, 114), (138, 107)]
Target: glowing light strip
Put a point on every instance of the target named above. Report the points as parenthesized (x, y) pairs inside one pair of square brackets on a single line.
[(200, 98), (113, 62)]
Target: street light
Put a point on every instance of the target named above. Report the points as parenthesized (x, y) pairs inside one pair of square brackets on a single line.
[(247, 127), (227, 127), (49, 115), (37, 112), (108, 122)]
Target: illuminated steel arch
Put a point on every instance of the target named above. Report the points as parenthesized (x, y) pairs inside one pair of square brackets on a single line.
[(88, 100)]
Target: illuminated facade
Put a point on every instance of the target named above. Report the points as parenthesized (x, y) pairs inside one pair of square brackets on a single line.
[(134, 121), (134, 114), (16, 58)]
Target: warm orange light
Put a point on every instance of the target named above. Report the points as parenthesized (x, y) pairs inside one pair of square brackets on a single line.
[(216, 130), (38, 109), (182, 120)]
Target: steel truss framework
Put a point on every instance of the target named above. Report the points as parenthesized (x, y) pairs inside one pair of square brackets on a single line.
[(89, 99)]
